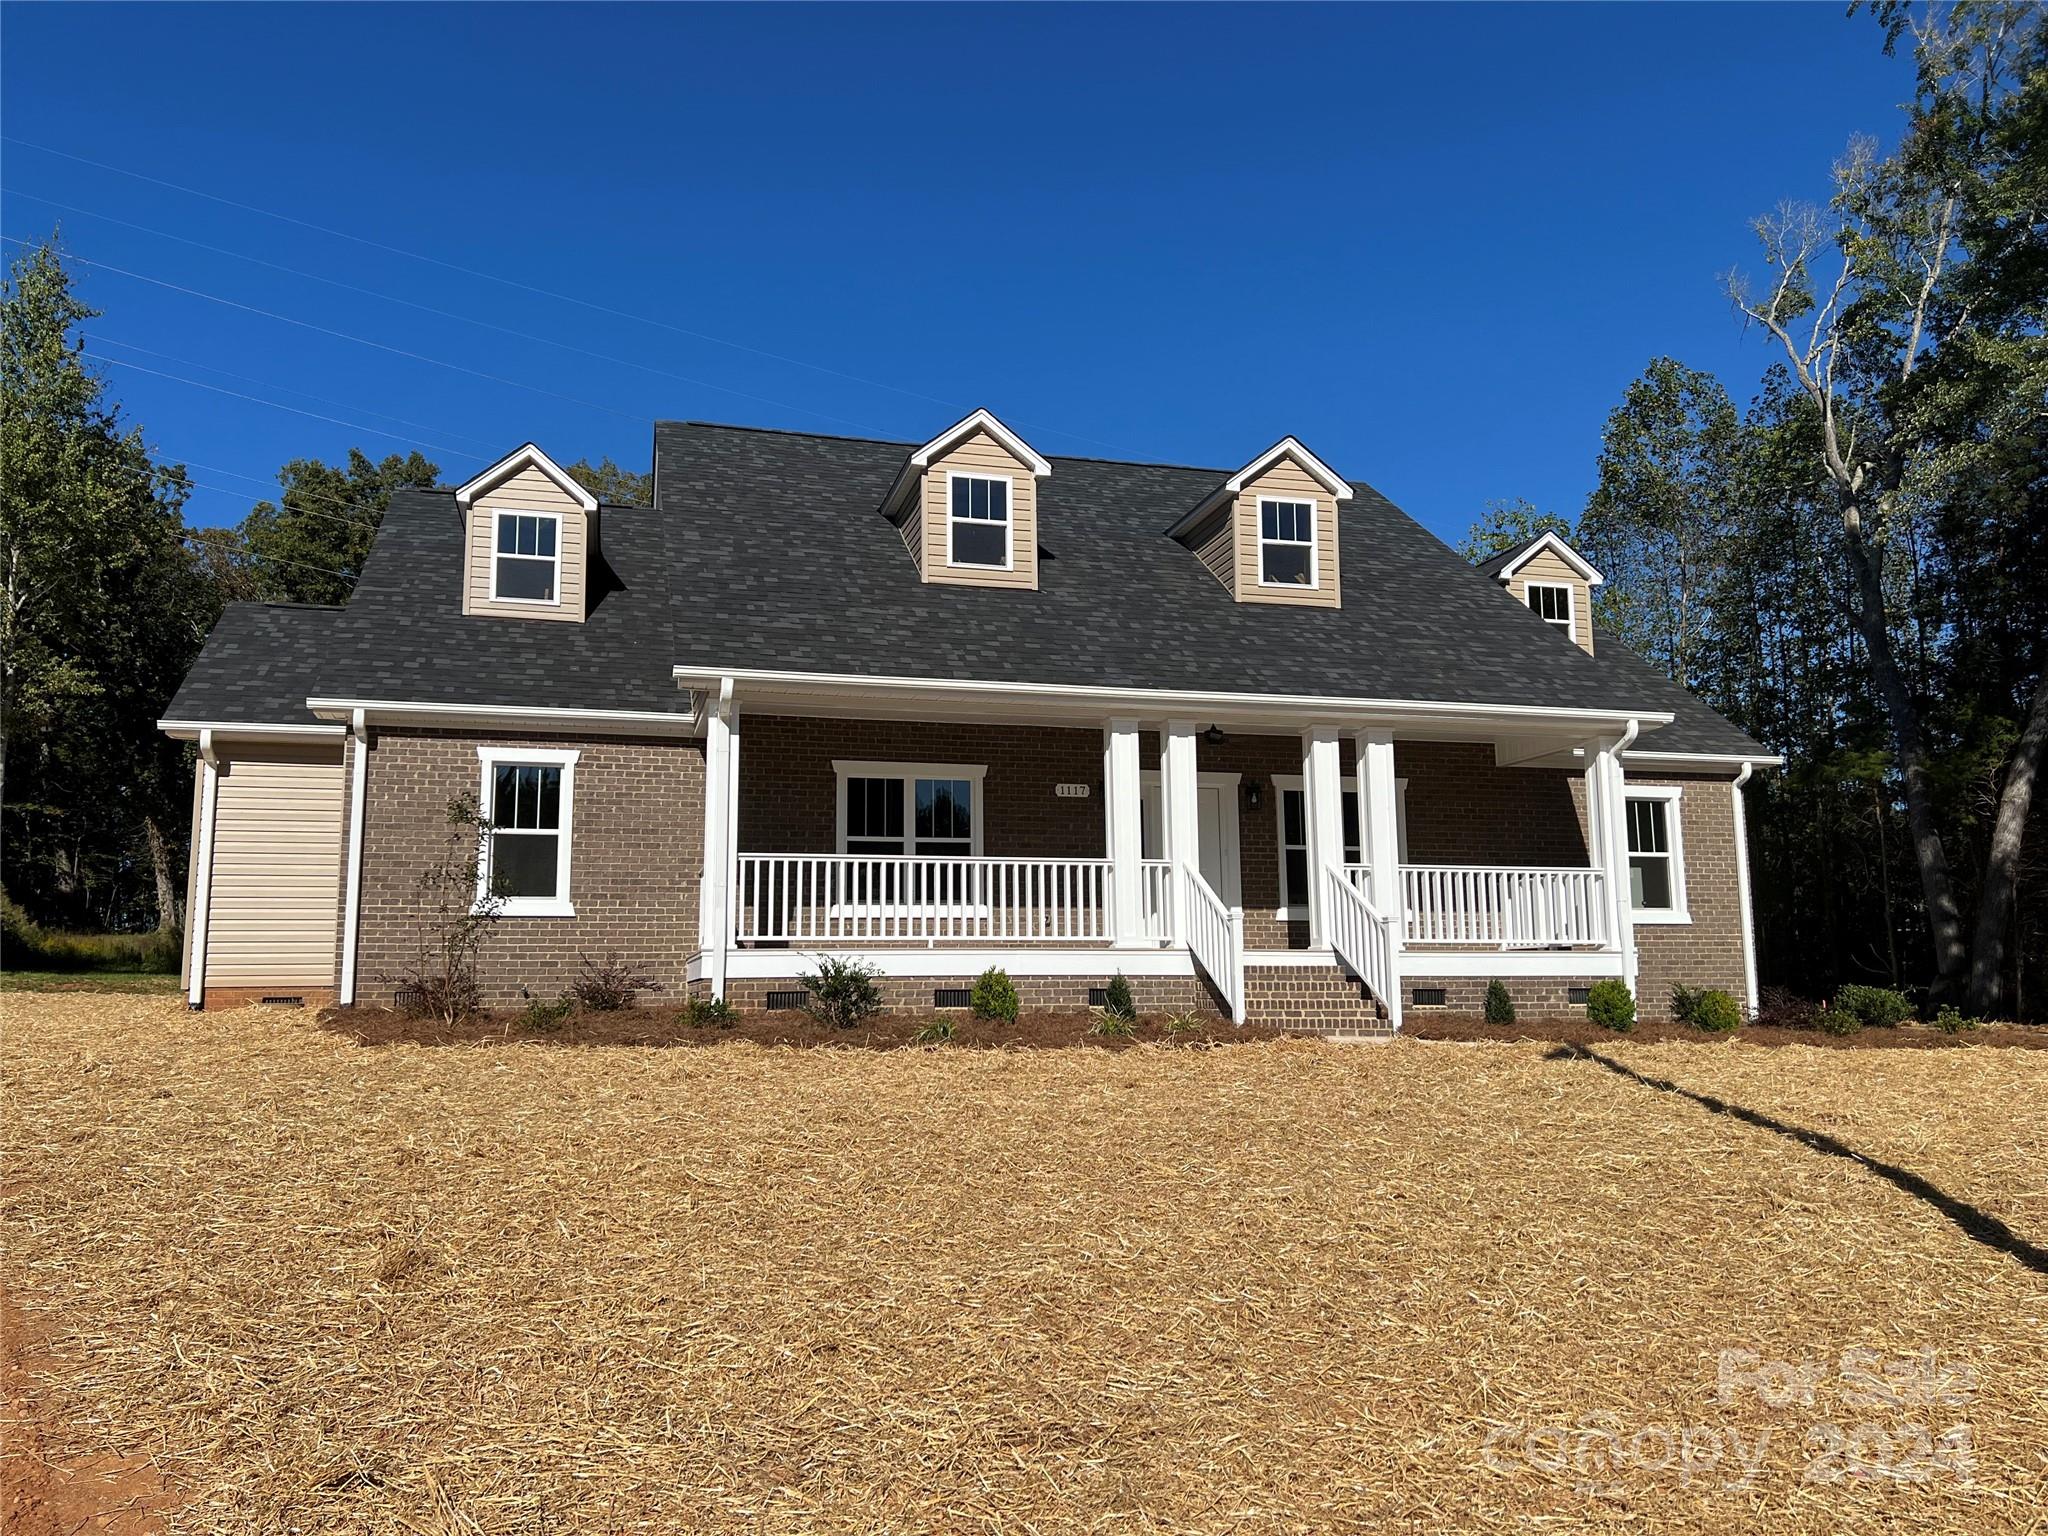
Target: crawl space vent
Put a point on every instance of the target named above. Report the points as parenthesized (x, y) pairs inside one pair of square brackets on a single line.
[(952, 997), (1427, 997), (779, 1002)]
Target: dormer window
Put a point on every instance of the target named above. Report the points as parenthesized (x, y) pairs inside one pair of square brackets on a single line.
[(527, 567), (978, 527), (1552, 603), (1287, 543)]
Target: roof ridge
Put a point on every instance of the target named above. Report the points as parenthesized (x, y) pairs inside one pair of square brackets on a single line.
[(891, 442)]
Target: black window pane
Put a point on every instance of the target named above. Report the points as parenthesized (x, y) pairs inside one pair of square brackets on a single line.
[(945, 809), (508, 535), (533, 580), (1650, 883), (1296, 866), (1285, 564), (504, 794), (1293, 816), (999, 501), (963, 491), (524, 866), (546, 542), (977, 501), (1352, 842), (550, 814), (979, 544)]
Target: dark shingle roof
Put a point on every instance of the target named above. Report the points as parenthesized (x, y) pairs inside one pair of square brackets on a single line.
[(258, 666), (1493, 565), (768, 551)]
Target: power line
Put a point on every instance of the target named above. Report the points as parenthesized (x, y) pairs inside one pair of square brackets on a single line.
[(549, 293), (278, 405), (250, 554), (446, 314)]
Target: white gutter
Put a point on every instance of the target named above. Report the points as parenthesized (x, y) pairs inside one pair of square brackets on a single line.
[(235, 730), (202, 876), (358, 795), (401, 711), (1742, 887), (1143, 701), (1745, 760)]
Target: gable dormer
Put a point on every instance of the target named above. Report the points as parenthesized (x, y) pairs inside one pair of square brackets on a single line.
[(966, 504), (528, 529), (1554, 581), (1269, 532)]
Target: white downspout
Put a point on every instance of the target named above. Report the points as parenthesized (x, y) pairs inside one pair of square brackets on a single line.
[(1742, 887), (202, 859), (352, 908)]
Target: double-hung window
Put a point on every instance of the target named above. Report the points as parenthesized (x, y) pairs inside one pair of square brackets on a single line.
[(1287, 543), (1656, 856), (526, 561), (1552, 603), (926, 811), (978, 520), (528, 798)]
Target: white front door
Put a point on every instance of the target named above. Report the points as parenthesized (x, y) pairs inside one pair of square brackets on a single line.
[(1216, 829)]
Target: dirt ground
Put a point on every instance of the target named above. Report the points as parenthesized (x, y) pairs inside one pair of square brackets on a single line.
[(271, 1278)]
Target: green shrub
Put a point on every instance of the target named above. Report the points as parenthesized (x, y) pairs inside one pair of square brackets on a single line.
[(938, 1032), (842, 992), (1708, 1009), (1952, 1022), (699, 1012), (1837, 1021), (995, 996), (1500, 1008), (1610, 1004), (545, 1017), (1873, 1007), (26, 945), (1183, 1023), (1112, 1026), (1116, 998)]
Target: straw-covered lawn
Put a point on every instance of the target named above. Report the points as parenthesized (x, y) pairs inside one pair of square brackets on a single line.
[(1286, 1286)]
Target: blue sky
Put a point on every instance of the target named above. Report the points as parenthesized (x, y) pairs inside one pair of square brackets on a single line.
[(1435, 243)]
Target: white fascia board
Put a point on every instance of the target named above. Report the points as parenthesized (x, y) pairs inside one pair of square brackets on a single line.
[(490, 716), (1707, 759), (1284, 711), (529, 456), (188, 730), (1290, 447), (1563, 551), (981, 421)]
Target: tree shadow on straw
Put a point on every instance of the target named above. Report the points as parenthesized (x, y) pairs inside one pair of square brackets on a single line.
[(1978, 1225)]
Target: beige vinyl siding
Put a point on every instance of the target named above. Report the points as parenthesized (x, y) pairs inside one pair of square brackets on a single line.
[(528, 491), (276, 862), (1216, 548), (1548, 568), (912, 529), (981, 454), (1289, 481)]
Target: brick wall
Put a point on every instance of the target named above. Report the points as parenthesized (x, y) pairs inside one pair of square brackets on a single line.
[(1707, 952), (638, 830), (1535, 997), (1465, 809)]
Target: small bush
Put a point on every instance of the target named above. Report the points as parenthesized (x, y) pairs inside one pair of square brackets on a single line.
[(1111, 1026), (545, 1017), (1116, 998), (1500, 1008), (1836, 1021), (842, 992), (1873, 1007), (1716, 1012), (938, 1032), (1178, 1024), (701, 1012), (1950, 1021), (995, 996), (607, 986), (1610, 1004), (1781, 1008)]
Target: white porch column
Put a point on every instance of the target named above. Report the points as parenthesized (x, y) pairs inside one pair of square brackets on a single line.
[(1126, 841), (1179, 813), (1607, 836), (1379, 826), (1742, 887), (721, 775), (1322, 780)]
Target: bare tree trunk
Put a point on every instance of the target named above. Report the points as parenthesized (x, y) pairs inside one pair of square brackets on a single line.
[(167, 913), (2001, 863)]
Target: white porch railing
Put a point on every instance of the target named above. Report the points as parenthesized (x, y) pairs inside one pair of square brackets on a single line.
[(1155, 898), (813, 898), (1505, 908), (1362, 939), (1214, 934)]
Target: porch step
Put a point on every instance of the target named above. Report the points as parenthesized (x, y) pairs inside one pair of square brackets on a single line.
[(1311, 999)]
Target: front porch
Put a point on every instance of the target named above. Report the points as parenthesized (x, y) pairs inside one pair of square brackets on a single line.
[(933, 850)]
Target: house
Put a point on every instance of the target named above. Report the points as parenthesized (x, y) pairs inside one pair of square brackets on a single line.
[(1250, 737)]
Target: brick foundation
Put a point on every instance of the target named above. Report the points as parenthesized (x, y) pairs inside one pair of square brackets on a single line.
[(1535, 997), (244, 997)]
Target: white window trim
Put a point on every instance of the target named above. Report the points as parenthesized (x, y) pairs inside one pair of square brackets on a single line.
[(1674, 823), (1282, 782), (1009, 521), (1315, 527), (858, 768), (564, 758), (526, 602), (1570, 622)]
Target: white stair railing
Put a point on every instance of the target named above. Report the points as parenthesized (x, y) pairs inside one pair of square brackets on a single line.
[(1362, 939), (1215, 936), (1503, 907)]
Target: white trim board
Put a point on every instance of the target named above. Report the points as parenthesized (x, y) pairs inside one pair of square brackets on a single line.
[(1679, 913), (1566, 965), (501, 716), (1557, 546), (498, 515), (1009, 523), (489, 758), (188, 730), (523, 457)]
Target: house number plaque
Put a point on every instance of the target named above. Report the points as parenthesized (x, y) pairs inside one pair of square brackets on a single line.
[(1071, 791)]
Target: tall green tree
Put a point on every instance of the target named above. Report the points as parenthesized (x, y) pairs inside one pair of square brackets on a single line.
[(102, 608), (309, 545), (1507, 523), (1918, 285), (608, 482)]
